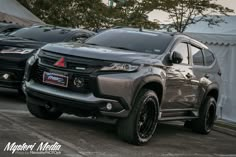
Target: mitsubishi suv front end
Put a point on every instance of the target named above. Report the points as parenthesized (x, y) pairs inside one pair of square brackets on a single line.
[(137, 77)]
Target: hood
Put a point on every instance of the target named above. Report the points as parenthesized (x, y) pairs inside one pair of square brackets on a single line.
[(20, 42), (101, 53)]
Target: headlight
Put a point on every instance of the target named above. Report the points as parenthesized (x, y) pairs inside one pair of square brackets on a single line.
[(120, 67), (17, 50), (30, 62), (33, 58)]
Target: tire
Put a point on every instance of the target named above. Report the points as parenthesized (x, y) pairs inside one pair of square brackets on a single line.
[(188, 124), (139, 127), (205, 122), (44, 113), (20, 92)]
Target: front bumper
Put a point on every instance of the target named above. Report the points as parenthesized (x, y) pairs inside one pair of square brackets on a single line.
[(14, 66), (39, 94), (14, 77)]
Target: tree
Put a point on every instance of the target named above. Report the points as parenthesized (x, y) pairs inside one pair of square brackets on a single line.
[(70, 13), (186, 12), (92, 14), (133, 13)]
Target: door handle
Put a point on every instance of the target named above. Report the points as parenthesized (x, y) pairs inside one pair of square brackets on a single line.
[(189, 75), (206, 76)]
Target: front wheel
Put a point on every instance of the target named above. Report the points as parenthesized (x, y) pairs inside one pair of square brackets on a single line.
[(205, 122), (141, 124)]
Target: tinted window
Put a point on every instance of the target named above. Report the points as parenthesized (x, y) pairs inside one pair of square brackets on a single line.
[(9, 30), (197, 56), (209, 57), (132, 40), (3, 24), (182, 48), (43, 33)]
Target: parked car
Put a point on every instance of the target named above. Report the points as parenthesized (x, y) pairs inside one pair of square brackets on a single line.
[(6, 28), (137, 77), (17, 47)]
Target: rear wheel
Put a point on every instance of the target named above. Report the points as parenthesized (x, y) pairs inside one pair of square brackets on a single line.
[(141, 124), (43, 112), (205, 122)]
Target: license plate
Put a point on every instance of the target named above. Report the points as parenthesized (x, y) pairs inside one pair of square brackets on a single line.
[(55, 79)]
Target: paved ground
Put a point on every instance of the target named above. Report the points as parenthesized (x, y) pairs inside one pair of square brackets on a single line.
[(85, 137)]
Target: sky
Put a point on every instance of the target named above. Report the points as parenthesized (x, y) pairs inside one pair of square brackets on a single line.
[(163, 17)]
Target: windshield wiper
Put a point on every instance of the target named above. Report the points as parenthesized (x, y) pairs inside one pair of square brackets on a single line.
[(22, 38), (30, 39), (13, 36), (122, 48), (92, 44)]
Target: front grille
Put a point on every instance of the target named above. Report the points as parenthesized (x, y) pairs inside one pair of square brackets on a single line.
[(83, 65), (48, 61), (76, 67), (37, 76)]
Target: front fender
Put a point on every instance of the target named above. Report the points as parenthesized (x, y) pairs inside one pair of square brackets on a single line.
[(126, 86), (155, 75)]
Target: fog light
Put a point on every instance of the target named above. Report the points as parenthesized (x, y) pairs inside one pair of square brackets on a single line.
[(6, 76), (109, 106), (78, 82)]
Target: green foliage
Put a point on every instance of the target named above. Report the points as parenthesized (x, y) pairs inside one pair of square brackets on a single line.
[(70, 13), (94, 14), (133, 13), (89, 14)]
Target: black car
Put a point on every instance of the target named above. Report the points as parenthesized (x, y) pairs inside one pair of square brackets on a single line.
[(17, 47), (137, 77), (6, 28)]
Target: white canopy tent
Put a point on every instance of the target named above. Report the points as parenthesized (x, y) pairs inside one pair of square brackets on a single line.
[(224, 48), (12, 11)]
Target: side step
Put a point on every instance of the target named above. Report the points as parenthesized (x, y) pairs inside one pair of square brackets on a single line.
[(178, 110), (177, 118)]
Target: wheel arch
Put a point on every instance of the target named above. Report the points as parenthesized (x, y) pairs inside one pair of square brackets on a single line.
[(214, 93), (156, 87), (212, 90), (154, 83)]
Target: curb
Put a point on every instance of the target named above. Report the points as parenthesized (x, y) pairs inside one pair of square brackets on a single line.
[(225, 127)]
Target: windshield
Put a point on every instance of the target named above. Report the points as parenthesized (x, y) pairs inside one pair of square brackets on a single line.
[(49, 34), (3, 24), (132, 40)]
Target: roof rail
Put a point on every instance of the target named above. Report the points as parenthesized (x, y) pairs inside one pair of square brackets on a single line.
[(117, 27)]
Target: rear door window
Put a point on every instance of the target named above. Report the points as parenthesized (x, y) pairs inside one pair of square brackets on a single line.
[(209, 57), (197, 56)]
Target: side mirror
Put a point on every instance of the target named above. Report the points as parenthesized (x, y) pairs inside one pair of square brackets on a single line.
[(176, 58)]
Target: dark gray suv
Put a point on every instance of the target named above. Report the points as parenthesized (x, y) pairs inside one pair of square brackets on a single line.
[(136, 77)]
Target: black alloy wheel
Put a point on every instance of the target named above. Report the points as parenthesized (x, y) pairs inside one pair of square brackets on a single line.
[(207, 116), (139, 127)]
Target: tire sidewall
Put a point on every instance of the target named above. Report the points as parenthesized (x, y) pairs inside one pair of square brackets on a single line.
[(210, 102), (140, 104)]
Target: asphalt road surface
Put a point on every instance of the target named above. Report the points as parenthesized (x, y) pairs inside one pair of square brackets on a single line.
[(86, 137)]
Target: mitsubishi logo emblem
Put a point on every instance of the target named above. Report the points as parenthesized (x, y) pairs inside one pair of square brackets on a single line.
[(60, 63)]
